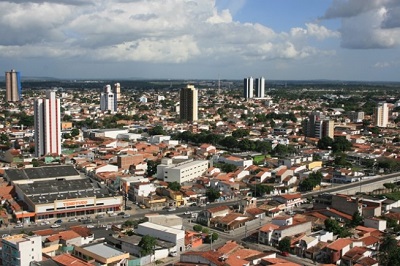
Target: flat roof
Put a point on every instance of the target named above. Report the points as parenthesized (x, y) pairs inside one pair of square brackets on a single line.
[(103, 250), (51, 190), (161, 228), (189, 164), (41, 172)]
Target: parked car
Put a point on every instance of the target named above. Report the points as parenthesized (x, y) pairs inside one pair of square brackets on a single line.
[(173, 253), (121, 213), (128, 208), (172, 209), (90, 226), (19, 226), (99, 216), (126, 215), (73, 219), (55, 225), (58, 221), (187, 213), (112, 214)]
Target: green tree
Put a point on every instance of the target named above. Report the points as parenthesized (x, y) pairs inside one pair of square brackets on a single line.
[(390, 186), (240, 133), (197, 228), (151, 168), (74, 132), (175, 186), (212, 237), (325, 143), (389, 252), (4, 139), (147, 245), (212, 194), (228, 168), (356, 219), (157, 130), (205, 230), (284, 244)]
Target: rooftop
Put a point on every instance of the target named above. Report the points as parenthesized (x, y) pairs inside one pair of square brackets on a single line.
[(41, 172), (103, 250)]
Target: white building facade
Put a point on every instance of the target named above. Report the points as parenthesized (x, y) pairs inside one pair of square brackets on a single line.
[(107, 100), (21, 250), (182, 172), (47, 125)]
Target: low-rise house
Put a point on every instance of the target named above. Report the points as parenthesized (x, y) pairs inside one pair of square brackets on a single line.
[(289, 200), (100, 253), (205, 216), (334, 251)]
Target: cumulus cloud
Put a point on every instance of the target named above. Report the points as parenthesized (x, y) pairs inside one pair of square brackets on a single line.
[(367, 24), (170, 31)]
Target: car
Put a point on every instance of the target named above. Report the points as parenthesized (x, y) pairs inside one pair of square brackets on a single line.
[(128, 208), (112, 214), (121, 213), (172, 209), (5, 235), (55, 225), (126, 215), (19, 226), (173, 253), (90, 226), (99, 216), (73, 219), (187, 213), (58, 221)]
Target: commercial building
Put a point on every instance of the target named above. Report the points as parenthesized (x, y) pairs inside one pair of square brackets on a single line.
[(260, 87), (20, 250), (102, 254), (381, 115), (13, 86), (189, 103), (57, 192), (317, 126), (107, 100), (172, 235), (47, 125), (248, 88), (182, 172)]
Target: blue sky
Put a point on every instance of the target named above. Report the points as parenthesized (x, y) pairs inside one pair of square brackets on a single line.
[(207, 39)]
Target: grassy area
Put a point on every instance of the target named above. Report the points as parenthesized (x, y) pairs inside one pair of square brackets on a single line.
[(258, 159), (393, 196)]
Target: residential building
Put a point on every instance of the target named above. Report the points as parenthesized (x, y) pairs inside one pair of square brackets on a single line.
[(13, 86), (260, 87), (47, 118), (248, 88), (381, 115), (117, 94), (317, 126), (182, 172), (101, 253), (107, 100), (20, 250), (189, 104)]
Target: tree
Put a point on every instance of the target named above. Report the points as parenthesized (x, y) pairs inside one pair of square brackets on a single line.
[(205, 230), (212, 237), (151, 168), (341, 144), (389, 252), (325, 143), (197, 228), (240, 133), (390, 186), (147, 244), (313, 180), (74, 132), (356, 219), (284, 244), (212, 194), (157, 130), (228, 168), (175, 186)]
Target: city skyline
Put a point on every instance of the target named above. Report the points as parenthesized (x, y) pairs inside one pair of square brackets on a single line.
[(226, 39)]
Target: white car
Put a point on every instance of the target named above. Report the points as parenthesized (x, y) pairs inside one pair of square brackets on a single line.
[(126, 215), (187, 213), (19, 226), (55, 225), (73, 219), (90, 226)]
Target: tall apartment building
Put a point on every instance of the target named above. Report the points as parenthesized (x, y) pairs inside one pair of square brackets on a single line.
[(260, 87), (107, 100), (13, 86), (381, 115), (189, 103), (47, 125), (316, 126), (21, 250), (248, 88), (182, 172), (117, 94)]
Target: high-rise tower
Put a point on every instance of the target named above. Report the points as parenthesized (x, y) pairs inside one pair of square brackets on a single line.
[(381, 115), (47, 125), (13, 86), (107, 100), (188, 103), (117, 94), (260, 87), (248, 88)]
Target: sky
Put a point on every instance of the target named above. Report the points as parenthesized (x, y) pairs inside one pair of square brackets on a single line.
[(202, 39)]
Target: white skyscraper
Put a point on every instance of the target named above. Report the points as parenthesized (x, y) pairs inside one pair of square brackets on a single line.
[(248, 88), (381, 115), (107, 100), (117, 94), (260, 87), (47, 125)]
